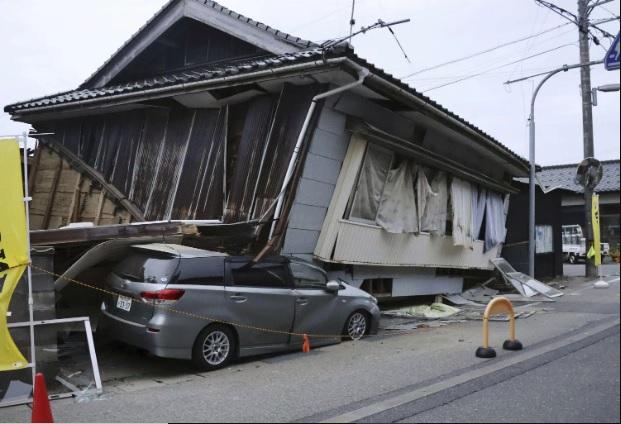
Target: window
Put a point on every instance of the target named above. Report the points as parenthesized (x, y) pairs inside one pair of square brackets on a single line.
[(371, 182), (202, 271), (147, 266), (378, 287), (307, 277), (264, 274), (544, 239)]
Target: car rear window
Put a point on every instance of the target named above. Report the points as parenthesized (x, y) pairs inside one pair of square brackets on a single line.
[(202, 271), (147, 266)]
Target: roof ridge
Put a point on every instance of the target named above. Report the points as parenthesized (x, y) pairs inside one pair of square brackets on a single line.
[(568, 165)]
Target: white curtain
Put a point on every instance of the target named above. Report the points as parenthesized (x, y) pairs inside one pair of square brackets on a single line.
[(495, 220), (461, 199), (397, 208), (371, 183), (479, 198), (434, 218), (424, 193)]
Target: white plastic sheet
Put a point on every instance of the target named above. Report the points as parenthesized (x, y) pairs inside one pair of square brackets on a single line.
[(434, 218), (397, 208), (461, 200), (495, 220), (424, 193), (371, 183)]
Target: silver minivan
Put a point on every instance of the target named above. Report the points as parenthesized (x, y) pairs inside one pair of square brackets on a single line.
[(180, 302)]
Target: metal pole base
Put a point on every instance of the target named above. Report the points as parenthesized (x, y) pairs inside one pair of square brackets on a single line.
[(512, 345), (485, 352)]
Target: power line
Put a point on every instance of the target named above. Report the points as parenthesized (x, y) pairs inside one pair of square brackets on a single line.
[(497, 67), (491, 49), (584, 28)]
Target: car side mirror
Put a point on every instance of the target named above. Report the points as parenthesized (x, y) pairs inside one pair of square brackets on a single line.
[(333, 287)]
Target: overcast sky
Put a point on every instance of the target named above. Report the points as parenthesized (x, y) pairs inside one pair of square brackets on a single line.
[(51, 46)]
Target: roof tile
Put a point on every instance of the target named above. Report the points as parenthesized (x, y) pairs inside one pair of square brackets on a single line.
[(563, 176)]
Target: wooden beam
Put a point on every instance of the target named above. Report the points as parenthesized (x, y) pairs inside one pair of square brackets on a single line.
[(75, 199), (100, 203), (81, 166), (52, 195)]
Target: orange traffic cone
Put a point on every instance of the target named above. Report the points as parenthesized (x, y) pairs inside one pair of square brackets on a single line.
[(41, 409), (306, 344)]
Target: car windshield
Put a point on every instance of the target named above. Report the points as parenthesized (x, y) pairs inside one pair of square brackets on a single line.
[(147, 266)]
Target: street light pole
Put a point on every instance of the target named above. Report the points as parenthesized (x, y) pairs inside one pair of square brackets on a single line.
[(532, 185)]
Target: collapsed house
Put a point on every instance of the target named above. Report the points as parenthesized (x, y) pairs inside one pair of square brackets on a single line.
[(231, 135)]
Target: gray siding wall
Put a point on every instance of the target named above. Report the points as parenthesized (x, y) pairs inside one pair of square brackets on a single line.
[(314, 192)]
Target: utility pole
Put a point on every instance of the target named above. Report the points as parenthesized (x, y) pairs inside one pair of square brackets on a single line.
[(587, 122)]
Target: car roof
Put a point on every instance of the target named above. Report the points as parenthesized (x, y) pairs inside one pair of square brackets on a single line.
[(178, 250)]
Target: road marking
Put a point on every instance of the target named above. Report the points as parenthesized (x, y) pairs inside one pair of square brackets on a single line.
[(495, 365)]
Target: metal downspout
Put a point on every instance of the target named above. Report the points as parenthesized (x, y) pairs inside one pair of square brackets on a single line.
[(362, 74)]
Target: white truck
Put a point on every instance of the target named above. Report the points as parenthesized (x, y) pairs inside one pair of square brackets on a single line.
[(574, 245)]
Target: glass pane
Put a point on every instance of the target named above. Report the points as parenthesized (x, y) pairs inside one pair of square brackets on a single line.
[(140, 266), (259, 275), (62, 356), (305, 276), (544, 242), (205, 271), (371, 183)]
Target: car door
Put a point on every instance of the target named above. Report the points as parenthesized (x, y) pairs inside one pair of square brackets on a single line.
[(260, 296), (317, 311)]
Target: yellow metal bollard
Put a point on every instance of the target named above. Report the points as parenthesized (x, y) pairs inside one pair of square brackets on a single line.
[(498, 305)]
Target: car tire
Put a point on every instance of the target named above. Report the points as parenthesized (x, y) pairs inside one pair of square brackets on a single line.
[(572, 258), (215, 347), (356, 326)]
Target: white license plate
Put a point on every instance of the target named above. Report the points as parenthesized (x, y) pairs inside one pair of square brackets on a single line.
[(124, 303)]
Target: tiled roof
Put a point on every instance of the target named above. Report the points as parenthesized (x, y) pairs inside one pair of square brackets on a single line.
[(246, 66), (203, 73), (177, 80), (563, 176)]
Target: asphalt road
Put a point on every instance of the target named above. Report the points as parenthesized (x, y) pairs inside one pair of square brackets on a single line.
[(582, 386), (578, 270), (557, 370)]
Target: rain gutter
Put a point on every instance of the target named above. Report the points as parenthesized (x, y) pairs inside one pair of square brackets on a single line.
[(183, 88), (362, 75)]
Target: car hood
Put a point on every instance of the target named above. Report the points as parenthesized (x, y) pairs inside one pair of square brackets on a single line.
[(352, 291)]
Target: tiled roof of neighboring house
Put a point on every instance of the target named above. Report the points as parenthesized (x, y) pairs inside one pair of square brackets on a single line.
[(218, 70), (563, 176)]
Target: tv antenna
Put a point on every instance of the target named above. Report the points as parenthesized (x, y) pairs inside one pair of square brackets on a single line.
[(352, 21), (379, 24)]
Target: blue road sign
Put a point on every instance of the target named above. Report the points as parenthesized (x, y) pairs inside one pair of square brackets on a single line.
[(611, 61)]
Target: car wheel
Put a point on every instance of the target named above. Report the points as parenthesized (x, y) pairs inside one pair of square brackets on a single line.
[(214, 348), (572, 259), (356, 326)]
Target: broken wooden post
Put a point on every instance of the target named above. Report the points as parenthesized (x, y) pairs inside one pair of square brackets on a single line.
[(498, 305)]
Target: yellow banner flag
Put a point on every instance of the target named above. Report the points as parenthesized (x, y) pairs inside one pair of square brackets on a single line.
[(13, 246), (597, 246)]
